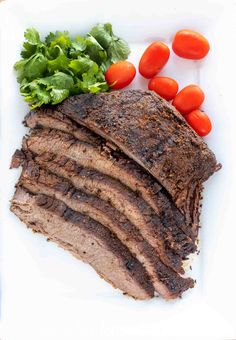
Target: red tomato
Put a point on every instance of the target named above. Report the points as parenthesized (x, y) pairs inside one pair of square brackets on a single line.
[(153, 59), (191, 45), (120, 74), (188, 99), (200, 122), (164, 86)]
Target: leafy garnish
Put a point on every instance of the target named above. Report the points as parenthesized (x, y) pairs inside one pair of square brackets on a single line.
[(116, 48), (52, 89), (59, 66)]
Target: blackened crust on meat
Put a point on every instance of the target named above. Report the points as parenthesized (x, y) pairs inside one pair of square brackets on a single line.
[(73, 231), (165, 281), (119, 166), (150, 131)]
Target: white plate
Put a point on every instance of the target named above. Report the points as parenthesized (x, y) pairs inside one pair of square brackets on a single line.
[(46, 293)]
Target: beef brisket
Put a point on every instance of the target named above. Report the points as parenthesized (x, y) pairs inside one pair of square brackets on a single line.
[(172, 246), (150, 131), (37, 180), (116, 178), (104, 158), (86, 156), (86, 239)]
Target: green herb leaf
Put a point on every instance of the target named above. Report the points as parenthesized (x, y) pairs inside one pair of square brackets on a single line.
[(103, 34), (60, 63), (31, 68), (59, 80), (32, 36), (32, 44), (95, 51), (92, 82), (29, 50), (117, 48), (82, 65), (58, 95), (77, 46), (35, 94), (61, 39)]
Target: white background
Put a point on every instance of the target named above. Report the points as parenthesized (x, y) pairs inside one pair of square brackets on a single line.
[(45, 293)]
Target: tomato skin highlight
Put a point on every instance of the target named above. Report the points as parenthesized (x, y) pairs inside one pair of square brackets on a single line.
[(188, 99), (153, 59), (200, 122), (120, 74), (164, 86), (190, 45)]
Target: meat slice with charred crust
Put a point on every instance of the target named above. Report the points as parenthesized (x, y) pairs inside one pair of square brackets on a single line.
[(150, 131), (86, 239)]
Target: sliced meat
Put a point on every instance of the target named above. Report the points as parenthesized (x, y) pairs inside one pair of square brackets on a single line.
[(57, 142), (37, 180), (53, 119), (118, 166), (86, 239), (123, 199), (149, 130)]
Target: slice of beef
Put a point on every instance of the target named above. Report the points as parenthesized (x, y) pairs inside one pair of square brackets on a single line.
[(53, 119), (119, 166), (37, 180), (86, 239), (149, 130), (172, 248)]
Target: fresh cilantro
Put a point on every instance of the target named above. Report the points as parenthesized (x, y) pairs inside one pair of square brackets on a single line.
[(82, 65), (95, 51), (77, 46), (52, 89), (32, 36), (59, 66), (31, 68), (32, 43), (60, 63), (116, 48)]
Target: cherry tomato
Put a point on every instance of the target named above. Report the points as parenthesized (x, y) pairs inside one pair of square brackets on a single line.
[(188, 99), (153, 59), (120, 74), (191, 45), (164, 86), (200, 122)]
